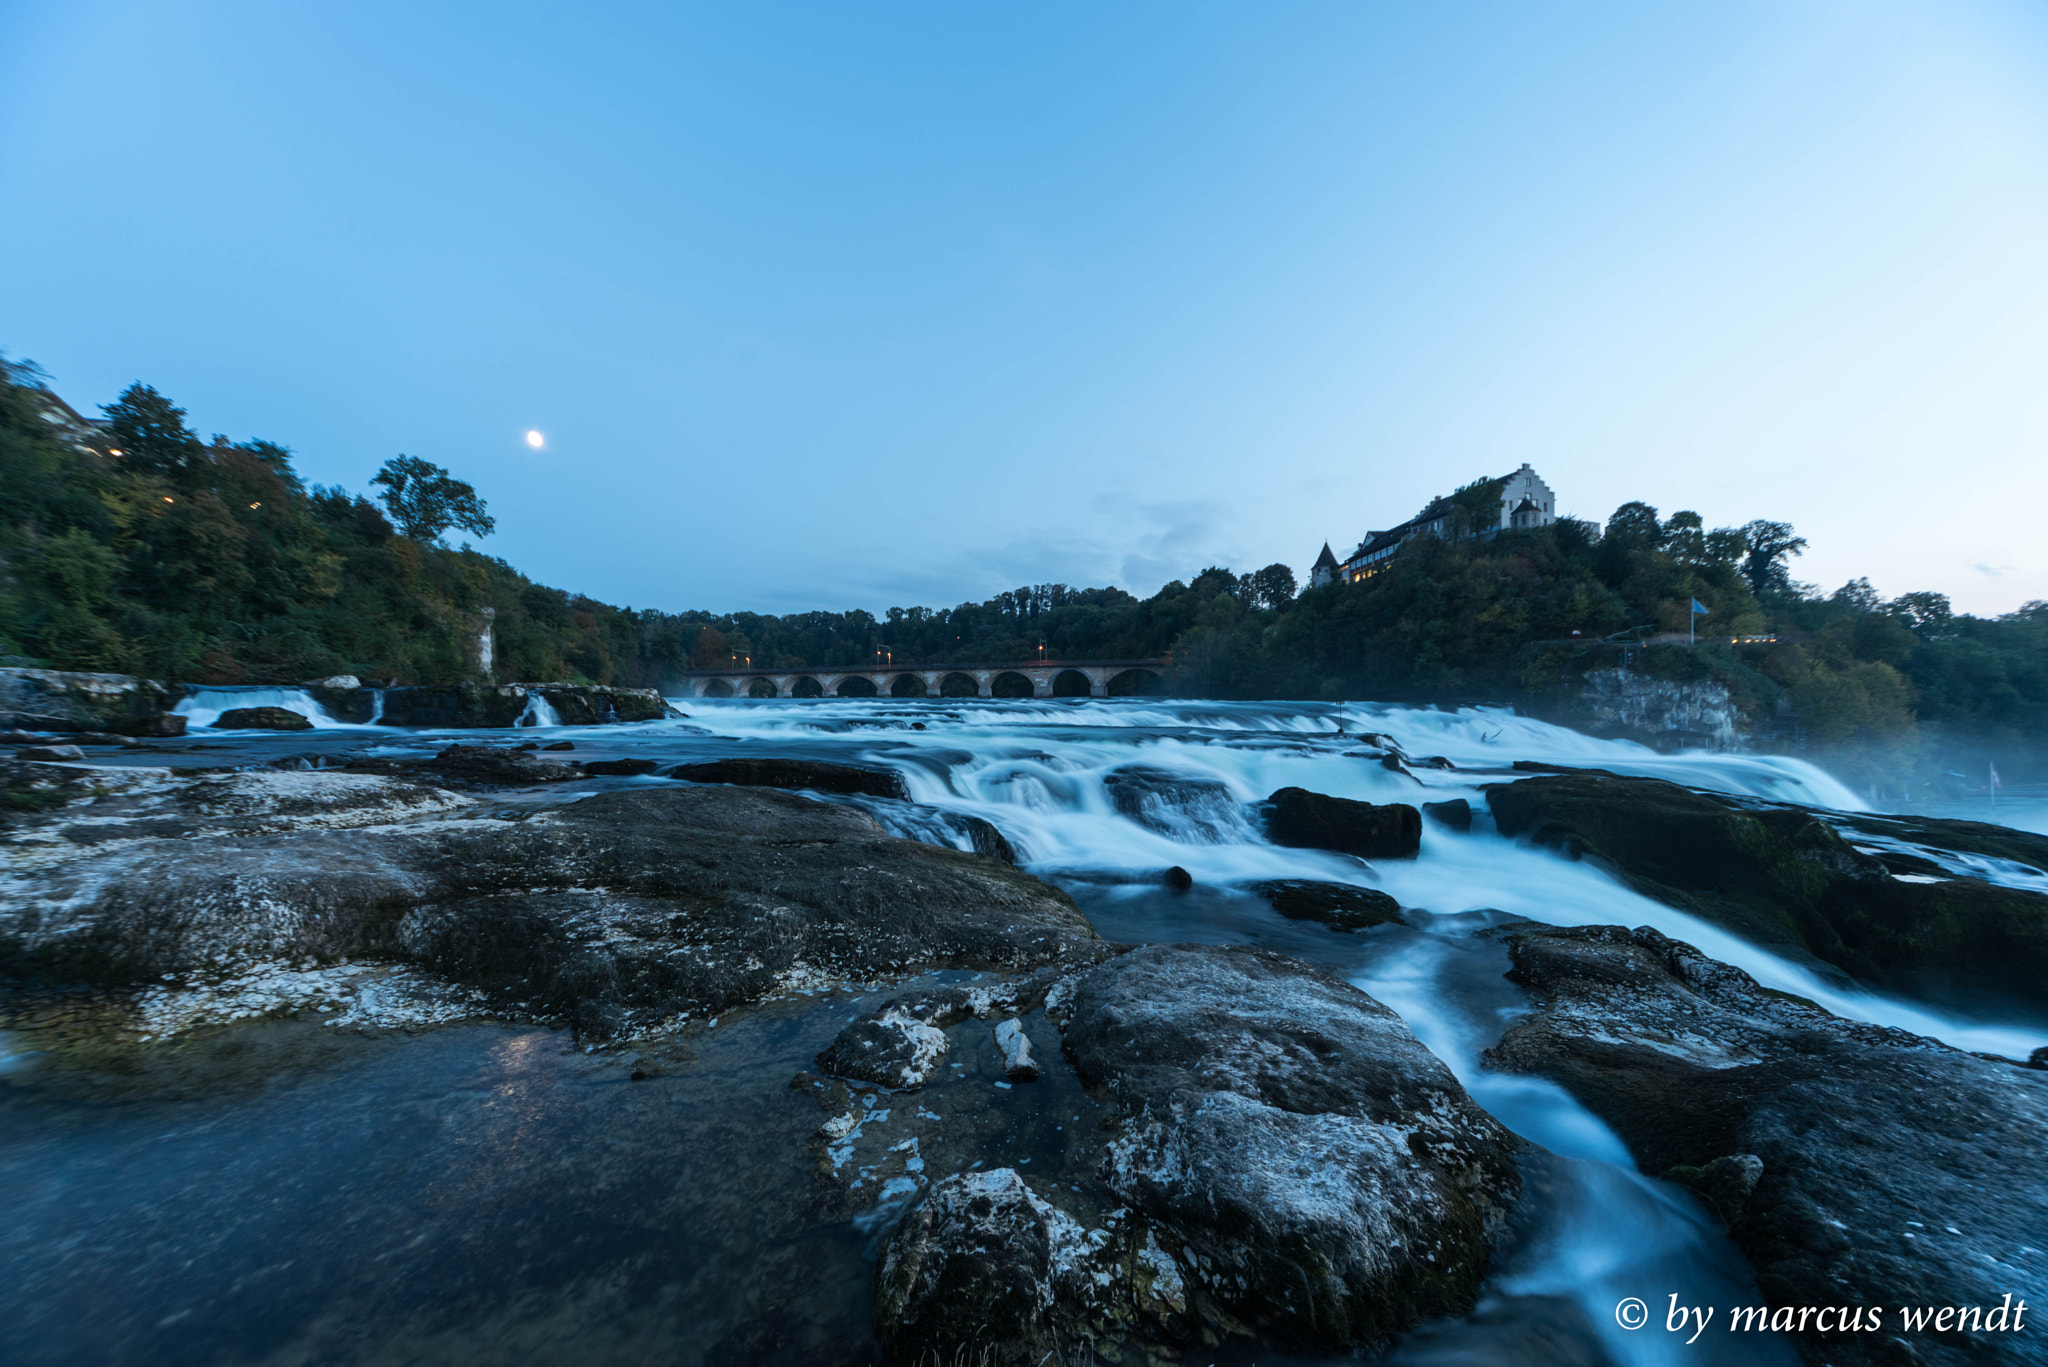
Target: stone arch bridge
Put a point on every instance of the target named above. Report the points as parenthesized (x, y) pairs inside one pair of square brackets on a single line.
[(1019, 679)]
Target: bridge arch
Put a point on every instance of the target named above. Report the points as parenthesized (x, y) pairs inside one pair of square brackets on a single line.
[(717, 688), (907, 686), (1070, 683), (959, 684), (1011, 684), (856, 686), (762, 688), (1137, 683), (804, 686)]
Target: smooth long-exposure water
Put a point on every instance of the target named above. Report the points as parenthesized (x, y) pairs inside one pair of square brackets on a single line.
[(553, 1183)]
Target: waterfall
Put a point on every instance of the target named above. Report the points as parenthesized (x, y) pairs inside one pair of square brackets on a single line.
[(203, 704), (539, 711)]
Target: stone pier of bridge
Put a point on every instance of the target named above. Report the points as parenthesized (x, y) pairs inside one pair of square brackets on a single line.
[(930, 680)]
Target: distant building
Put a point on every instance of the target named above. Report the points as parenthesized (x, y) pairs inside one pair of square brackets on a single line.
[(1525, 501), (1327, 570)]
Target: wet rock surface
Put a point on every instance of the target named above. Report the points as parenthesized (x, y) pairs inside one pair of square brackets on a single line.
[(619, 912), (1278, 1157), (1339, 904), (1853, 1164), (817, 775), (1370, 830), (489, 765), (1786, 877)]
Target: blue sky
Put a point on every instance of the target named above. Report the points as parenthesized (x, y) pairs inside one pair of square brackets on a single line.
[(851, 306)]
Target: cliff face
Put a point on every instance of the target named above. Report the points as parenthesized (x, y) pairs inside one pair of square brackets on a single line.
[(1667, 714)]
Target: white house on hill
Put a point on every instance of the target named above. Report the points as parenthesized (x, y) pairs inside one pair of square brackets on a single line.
[(1525, 501)]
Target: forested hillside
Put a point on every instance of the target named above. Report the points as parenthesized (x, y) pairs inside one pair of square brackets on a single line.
[(135, 546)]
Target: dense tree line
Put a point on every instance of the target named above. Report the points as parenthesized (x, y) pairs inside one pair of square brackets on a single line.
[(132, 545)]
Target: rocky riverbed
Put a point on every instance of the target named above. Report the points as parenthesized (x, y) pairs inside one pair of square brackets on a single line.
[(799, 1064)]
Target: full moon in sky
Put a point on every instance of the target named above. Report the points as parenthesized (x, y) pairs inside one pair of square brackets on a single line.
[(535, 440)]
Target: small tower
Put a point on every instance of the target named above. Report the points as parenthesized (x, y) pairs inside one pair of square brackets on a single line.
[(1326, 570)]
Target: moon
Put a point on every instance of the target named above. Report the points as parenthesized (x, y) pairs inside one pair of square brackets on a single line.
[(535, 440)]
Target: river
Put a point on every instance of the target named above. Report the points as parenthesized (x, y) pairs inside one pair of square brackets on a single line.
[(488, 1194)]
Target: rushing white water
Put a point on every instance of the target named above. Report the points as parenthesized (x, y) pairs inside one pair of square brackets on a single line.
[(1102, 796), (202, 706), (539, 712), (1037, 770)]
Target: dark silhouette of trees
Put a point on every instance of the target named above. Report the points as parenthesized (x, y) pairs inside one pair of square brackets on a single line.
[(426, 500), (147, 433)]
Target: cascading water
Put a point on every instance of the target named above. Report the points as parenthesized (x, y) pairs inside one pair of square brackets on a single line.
[(1101, 797), (539, 712), (202, 706)]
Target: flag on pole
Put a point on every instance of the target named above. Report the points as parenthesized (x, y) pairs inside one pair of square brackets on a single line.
[(1699, 609)]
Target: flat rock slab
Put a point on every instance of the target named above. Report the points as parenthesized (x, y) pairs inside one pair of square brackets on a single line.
[(616, 913), (1285, 1159), (1854, 1165)]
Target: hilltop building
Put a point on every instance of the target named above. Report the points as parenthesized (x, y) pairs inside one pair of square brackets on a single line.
[(1326, 571), (1525, 501)]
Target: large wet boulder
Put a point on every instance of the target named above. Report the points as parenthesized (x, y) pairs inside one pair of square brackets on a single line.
[(1854, 1165), (1338, 904), (1786, 877), (1317, 821), (1280, 1157), (1323, 1174), (818, 775), (619, 912), (261, 719), (63, 700)]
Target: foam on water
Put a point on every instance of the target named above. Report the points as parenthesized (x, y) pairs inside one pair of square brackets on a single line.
[(202, 706)]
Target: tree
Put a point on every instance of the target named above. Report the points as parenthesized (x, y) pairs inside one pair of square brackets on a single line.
[(1272, 587), (149, 432), (1635, 525), (1767, 551), (1685, 537), (426, 500), (1857, 594), (1924, 614)]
